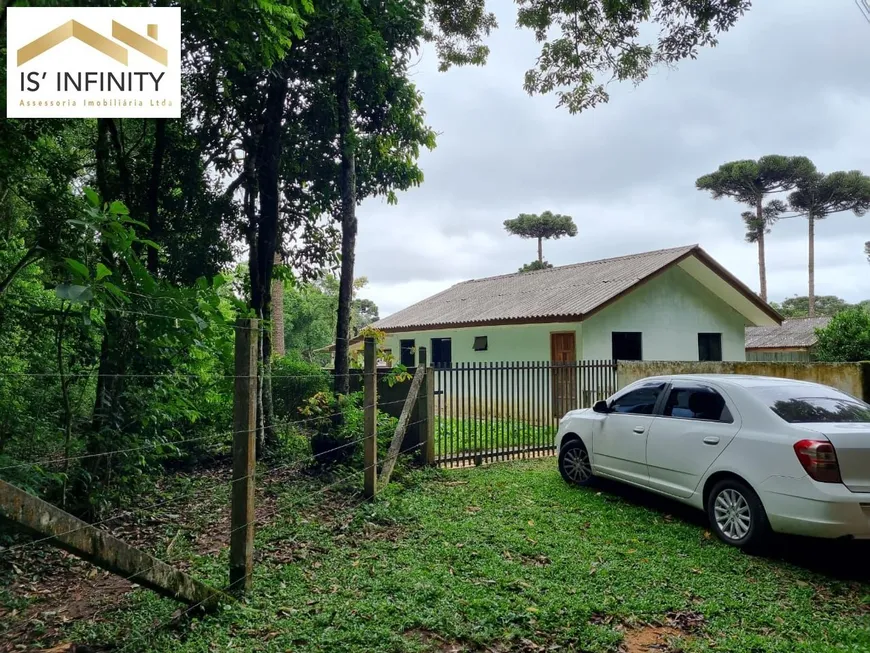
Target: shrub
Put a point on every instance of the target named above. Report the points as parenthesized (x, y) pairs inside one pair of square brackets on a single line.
[(846, 338), (294, 382), (338, 441)]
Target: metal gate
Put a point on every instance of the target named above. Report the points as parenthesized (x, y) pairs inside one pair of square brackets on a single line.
[(486, 412)]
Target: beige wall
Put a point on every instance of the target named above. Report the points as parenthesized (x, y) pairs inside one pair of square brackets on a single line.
[(852, 378)]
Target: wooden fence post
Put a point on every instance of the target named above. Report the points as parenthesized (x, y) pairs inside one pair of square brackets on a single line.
[(370, 420), (244, 457), (426, 412)]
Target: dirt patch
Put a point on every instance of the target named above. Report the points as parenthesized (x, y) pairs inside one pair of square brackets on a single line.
[(649, 639), (657, 638), (58, 589)]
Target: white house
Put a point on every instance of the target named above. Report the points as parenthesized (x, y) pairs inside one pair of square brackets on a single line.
[(673, 304)]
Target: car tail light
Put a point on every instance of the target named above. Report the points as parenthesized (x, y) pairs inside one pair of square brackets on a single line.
[(819, 459)]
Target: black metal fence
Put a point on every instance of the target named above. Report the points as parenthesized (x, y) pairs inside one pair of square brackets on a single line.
[(486, 412)]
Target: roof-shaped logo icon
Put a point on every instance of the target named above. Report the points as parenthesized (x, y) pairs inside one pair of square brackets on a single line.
[(147, 45)]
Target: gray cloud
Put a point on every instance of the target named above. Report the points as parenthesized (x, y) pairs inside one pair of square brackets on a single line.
[(790, 78)]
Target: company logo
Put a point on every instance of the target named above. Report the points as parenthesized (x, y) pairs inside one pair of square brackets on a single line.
[(76, 70)]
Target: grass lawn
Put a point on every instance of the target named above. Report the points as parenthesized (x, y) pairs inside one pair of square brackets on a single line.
[(504, 558), (456, 436)]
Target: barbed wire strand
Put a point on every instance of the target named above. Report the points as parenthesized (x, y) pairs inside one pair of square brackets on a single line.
[(51, 461)]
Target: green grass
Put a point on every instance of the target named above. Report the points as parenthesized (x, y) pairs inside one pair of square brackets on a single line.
[(502, 557), (456, 436)]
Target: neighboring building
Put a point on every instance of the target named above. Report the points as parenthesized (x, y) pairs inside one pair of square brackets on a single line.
[(792, 341), (674, 304)]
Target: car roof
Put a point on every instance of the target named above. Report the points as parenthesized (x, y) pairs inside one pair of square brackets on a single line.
[(742, 380)]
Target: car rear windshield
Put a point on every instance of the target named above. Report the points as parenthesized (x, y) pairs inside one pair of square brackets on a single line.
[(797, 405)]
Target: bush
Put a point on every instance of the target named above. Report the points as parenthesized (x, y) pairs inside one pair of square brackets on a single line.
[(846, 338), (338, 441), (294, 382)]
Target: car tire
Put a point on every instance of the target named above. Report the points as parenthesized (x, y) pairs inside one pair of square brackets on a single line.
[(574, 463), (737, 515)]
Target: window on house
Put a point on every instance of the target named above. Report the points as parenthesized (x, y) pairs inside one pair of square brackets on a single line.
[(709, 346), (387, 357), (481, 343), (627, 346), (697, 402), (442, 355), (407, 351)]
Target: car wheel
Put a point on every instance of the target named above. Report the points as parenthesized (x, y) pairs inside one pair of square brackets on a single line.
[(737, 516), (574, 463)]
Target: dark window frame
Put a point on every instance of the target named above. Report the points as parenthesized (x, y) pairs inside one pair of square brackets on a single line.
[(727, 416), (434, 350), (623, 334), (409, 351), (715, 340), (484, 340)]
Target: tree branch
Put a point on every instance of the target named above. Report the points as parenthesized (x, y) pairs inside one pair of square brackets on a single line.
[(31, 256)]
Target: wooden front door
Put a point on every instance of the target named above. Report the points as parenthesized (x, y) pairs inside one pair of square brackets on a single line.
[(563, 355)]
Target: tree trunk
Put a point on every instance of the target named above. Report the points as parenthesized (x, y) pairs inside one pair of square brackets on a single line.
[(347, 188), (540, 250), (268, 172), (762, 264), (154, 191), (811, 267), (278, 313)]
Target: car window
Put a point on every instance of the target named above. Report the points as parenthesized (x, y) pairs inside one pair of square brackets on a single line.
[(807, 405), (640, 401), (696, 402)]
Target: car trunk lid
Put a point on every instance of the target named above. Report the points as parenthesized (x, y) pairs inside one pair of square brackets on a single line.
[(852, 444)]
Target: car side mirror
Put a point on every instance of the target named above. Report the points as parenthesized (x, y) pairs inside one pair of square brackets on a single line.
[(601, 407)]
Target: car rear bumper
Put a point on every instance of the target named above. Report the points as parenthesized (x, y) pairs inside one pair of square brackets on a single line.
[(801, 506)]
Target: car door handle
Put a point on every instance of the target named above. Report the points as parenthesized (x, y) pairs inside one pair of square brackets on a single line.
[(711, 439), (639, 429)]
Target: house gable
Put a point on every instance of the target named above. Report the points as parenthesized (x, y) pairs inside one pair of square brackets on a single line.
[(669, 311)]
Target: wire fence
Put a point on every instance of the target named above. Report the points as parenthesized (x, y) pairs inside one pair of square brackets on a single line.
[(212, 493)]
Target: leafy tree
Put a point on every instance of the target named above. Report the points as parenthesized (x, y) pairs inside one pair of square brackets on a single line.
[(819, 195), (799, 306), (547, 225), (366, 312), (867, 250), (750, 182), (587, 42), (534, 266), (846, 338)]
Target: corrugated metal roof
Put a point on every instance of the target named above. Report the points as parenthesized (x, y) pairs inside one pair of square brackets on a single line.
[(569, 291), (800, 332)]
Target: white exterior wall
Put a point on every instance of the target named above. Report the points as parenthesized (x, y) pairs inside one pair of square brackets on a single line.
[(670, 311), (517, 342)]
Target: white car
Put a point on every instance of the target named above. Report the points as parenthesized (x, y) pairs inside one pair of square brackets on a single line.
[(756, 453)]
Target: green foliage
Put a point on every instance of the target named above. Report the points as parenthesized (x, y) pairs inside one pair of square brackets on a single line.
[(547, 225), (337, 441), (586, 46), (310, 311), (846, 338), (820, 195), (294, 382), (799, 306), (534, 266)]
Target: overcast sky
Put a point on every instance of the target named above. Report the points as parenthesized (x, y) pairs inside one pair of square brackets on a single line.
[(791, 78)]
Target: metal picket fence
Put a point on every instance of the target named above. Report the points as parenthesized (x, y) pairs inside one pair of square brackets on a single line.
[(486, 412)]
